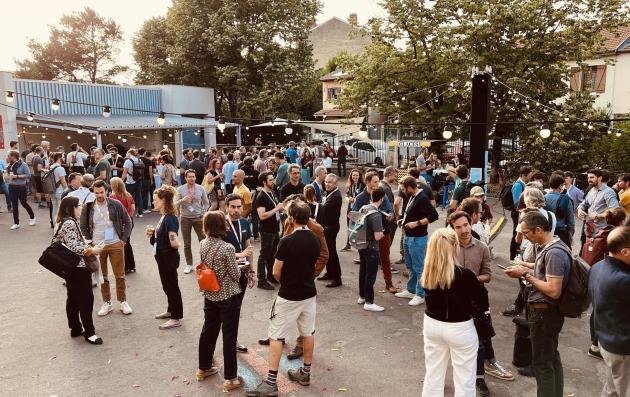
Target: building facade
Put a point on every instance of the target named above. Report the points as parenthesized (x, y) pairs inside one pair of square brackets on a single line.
[(335, 36)]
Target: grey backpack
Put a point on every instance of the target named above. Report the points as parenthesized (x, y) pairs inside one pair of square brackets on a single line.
[(357, 228)]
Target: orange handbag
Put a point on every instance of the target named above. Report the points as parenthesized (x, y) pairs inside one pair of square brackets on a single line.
[(207, 277)]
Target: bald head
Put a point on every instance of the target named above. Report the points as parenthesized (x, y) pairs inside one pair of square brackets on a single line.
[(618, 242), (238, 176)]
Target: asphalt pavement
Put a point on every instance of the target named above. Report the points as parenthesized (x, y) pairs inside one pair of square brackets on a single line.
[(357, 353)]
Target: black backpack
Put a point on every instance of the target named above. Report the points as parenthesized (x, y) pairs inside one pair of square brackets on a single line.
[(507, 201), (138, 170), (574, 299)]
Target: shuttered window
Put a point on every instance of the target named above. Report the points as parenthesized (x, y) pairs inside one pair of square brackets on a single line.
[(590, 78)]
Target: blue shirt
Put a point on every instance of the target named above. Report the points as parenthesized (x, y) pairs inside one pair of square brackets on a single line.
[(292, 154), (608, 285), (318, 191), (577, 195), (230, 237), (599, 200), (561, 205), (364, 199), (18, 168), (228, 170), (170, 223), (517, 189)]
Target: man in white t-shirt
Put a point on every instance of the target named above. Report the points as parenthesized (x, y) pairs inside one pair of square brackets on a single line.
[(76, 158), (133, 187), (83, 193)]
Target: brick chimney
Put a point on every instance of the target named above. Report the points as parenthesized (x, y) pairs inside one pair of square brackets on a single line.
[(353, 19)]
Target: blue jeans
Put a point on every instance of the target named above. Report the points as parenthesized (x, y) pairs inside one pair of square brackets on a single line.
[(370, 261), (415, 249), (5, 189), (135, 189)]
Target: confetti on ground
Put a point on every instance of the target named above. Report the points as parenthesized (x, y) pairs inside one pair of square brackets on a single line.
[(135, 386), (174, 377), (52, 358), (335, 349), (342, 389)]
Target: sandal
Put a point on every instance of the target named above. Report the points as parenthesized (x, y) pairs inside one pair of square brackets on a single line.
[(204, 373), (231, 384)]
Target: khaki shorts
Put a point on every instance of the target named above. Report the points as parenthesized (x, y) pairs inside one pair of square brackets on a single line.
[(285, 314)]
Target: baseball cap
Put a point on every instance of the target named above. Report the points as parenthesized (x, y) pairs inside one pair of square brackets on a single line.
[(477, 191)]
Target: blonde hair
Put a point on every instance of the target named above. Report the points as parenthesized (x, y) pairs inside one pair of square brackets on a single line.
[(440, 259), (118, 186), (534, 198)]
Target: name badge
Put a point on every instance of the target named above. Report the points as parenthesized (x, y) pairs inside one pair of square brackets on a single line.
[(590, 248), (109, 234)]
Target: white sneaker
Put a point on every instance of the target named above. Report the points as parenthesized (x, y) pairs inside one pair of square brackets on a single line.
[(372, 307), (139, 215), (416, 301), (125, 308), (146, 211), (32, 222), (361, 301), (404, 294), (15, 227), (188, 269), (105, 309)]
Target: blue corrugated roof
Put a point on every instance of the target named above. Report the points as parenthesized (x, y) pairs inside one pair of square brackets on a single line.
[(147, 99)]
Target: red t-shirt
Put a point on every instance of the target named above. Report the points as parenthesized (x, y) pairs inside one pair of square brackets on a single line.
[(127, 202)]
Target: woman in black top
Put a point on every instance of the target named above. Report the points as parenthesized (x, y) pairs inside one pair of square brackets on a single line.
[(166, 252), (453, 297), (317, 210)]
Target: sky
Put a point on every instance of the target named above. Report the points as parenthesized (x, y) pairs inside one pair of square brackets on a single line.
[(26, 19)]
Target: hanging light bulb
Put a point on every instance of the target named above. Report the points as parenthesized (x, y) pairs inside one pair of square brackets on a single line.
[(566, 119), (324, 117), (43, 136), (164, 146), (289, 128), (591, 127), (93, 137), (418, 110), (30, 116), (170, 134), (585, 124), (119, 137), (203, 150), (144, 136), (403, 98), (397, 121), (107, 111), (69, 137), (273, 123), (447, 133), (545, 132), (247, 128), (221, 124), (161, 118), (79, 130), (55, 104), (10, 96), (363, 132), (618, 134), (124, 140)]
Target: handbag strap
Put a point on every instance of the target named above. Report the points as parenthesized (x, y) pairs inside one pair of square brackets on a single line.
[(214, 257)]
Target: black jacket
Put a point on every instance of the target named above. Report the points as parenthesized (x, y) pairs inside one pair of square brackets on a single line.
[(332, 210)]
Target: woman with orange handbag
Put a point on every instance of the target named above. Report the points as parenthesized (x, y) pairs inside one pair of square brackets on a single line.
[(165, 250), (222, 308)]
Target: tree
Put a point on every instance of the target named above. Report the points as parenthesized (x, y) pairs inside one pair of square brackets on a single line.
[(528, 44), (255, 53), (82, 49)]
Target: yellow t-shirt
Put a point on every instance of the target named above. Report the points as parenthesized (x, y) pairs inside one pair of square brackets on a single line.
[(624, 201), (243, 191)]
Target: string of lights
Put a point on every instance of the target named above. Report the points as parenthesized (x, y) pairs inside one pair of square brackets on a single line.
[(545, 131)]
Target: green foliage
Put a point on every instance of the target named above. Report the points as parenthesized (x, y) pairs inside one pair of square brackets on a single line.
[(83, 48), (255, 53), (611, 151), (528, 44)]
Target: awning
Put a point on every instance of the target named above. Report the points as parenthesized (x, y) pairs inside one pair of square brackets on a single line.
[(336, 127), (119, 122), (276, 122)]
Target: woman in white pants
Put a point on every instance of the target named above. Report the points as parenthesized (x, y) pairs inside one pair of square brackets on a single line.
[(452, 293)]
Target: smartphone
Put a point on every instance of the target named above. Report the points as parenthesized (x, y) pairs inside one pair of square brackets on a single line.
[(502, 267)]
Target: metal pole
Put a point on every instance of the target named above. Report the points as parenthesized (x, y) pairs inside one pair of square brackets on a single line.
[(99, 139), (479, 118), (238, 136)]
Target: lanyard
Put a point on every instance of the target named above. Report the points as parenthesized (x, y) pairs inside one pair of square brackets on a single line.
[(238, 235), (328, 195), (316, 210), (271, 198)]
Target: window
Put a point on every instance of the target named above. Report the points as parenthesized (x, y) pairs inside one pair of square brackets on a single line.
[(333, 93), (589, 78)]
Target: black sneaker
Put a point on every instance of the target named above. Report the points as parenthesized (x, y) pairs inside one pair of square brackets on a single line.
[(482, 388), (265, 285), (271, 280), (593, 351), (526, 371)]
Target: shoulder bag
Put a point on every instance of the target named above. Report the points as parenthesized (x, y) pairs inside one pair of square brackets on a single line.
[(59, 259), (207, 277)]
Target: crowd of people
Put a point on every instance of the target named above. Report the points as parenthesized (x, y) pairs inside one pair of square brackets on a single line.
[(289, 201)]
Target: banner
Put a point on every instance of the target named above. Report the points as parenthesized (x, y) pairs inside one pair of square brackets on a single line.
[(1, 134)]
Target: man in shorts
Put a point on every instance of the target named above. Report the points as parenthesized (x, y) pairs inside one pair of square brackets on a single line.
[(296, 301)]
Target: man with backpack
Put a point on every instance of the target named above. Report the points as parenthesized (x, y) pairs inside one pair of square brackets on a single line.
[(561, 204), (548, 279), (17, 175), (608, 285), (133, 174), (509, 200)]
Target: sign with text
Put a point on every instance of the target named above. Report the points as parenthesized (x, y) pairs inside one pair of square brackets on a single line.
[(1, 134)]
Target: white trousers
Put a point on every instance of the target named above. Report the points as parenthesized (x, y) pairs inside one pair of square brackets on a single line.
[(458, 341)]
